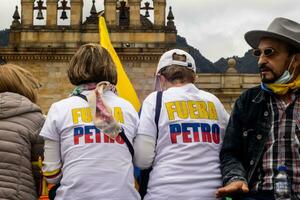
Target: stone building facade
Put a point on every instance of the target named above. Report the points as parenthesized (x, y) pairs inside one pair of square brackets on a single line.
[(46, 49), (228, 86)]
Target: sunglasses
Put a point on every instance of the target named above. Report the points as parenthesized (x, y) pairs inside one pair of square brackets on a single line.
[(266, 52)]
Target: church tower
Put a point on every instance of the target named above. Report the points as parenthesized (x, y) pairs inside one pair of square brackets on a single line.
[(139, 37), (131, 28), (48, 32)]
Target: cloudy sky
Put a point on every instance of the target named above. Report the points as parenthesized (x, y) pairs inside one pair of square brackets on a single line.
[(215, 27)]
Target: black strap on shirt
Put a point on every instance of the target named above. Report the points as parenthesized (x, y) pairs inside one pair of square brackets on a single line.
[(82, 96), (157, 110), (144, 179), (129, 145), (122, 134)]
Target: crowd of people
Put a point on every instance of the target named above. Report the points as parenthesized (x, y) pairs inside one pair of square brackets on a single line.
[(183, 141)]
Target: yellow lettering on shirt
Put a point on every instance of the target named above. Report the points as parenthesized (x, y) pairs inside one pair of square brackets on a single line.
[(194, 114), (170, 106), (191, 109), (84, 115), (212, 111), (81, 115), (182, 110), (202, 109)]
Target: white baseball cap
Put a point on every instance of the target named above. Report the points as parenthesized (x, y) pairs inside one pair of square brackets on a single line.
[(167, 59)]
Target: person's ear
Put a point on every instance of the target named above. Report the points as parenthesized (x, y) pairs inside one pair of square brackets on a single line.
[(162, 81), (296, 66), (162, 78)]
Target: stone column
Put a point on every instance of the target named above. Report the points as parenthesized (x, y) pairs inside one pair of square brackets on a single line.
[(159, 12), (27, 13), (134, 10), (76, 12), (110, 12), (51, 13)]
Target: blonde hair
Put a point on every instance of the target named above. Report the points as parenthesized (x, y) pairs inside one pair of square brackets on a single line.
[(15, 79), (92, 64)]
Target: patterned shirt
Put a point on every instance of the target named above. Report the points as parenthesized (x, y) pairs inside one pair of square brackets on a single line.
[(282, 146)]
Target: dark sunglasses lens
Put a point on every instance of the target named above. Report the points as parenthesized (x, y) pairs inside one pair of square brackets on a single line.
[(256, 52), (268, 51)]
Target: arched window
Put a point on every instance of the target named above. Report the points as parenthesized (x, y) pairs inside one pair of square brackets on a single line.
[(147, 9), (39, 13), (63, 12)]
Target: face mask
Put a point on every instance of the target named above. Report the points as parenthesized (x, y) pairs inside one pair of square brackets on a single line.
[(286, 76)]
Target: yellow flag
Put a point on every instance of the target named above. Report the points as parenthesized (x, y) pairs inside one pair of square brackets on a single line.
[(124, 86)]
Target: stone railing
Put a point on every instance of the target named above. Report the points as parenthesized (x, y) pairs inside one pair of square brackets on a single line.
[(227, 87)]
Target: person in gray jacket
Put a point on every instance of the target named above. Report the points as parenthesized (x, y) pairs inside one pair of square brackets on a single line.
[(20, 144)]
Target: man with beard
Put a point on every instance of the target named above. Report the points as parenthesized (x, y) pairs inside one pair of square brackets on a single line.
[(262, 137)]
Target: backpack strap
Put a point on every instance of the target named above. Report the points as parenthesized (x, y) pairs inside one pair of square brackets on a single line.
[(129, 145), (157, 110), (122, 134), (144, 174)]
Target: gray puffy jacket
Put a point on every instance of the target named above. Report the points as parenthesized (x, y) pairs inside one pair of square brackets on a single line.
[(20, 144)]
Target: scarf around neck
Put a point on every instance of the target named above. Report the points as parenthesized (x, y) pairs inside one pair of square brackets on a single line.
[(101, 112), (283, 88)]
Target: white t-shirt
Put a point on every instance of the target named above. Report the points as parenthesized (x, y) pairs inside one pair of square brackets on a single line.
[(94, 166), (191, 129)]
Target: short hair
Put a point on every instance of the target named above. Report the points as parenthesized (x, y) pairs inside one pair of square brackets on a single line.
[(175, 73), (16, 79), (92, 64)]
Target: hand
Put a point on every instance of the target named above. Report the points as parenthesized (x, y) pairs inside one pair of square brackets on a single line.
[(232, 188)]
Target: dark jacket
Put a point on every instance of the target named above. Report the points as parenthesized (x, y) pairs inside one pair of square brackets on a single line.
[(20, 144), (245, 136)]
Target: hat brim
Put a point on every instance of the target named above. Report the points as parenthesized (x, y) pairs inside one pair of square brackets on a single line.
[(253, 38)]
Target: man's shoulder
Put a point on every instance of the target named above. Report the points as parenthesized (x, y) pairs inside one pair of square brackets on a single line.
[(254, 91), (255, 88), (252, 99)]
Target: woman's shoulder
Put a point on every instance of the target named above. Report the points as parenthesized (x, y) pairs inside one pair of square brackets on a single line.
[(68, 102), (13, 104), (151, 98), (122, 102)]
